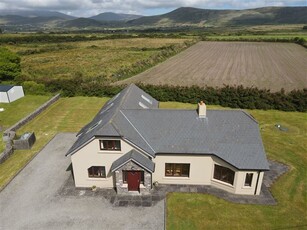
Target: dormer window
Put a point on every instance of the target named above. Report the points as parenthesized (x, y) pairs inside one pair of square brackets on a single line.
[(113, 145)]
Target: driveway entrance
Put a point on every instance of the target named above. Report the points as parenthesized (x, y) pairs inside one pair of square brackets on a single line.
[(33, 199)]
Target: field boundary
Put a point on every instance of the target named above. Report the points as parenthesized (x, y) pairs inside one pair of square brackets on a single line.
[(10, 133)]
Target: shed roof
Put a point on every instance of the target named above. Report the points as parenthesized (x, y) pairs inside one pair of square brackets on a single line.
[(5, 88)]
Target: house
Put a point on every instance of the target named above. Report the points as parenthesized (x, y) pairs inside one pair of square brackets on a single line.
[(132, 144), (10, 93)]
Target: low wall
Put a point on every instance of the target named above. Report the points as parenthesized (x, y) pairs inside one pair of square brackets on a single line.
[(5, 154), (9, 134)]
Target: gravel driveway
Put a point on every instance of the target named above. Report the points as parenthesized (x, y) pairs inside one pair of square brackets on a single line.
[(33, 201)]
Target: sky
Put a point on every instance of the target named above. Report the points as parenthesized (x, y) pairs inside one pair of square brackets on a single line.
[(87, 8)]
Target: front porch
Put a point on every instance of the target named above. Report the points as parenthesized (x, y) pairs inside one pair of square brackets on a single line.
[(133, 174), (132, 179)]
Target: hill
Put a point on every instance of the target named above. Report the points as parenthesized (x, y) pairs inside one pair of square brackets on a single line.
[(35, 13), (34, 21), (109, 16), (81, 23), (195, 16)]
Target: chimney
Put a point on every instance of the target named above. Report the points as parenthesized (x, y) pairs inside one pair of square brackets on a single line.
[(202, 110)]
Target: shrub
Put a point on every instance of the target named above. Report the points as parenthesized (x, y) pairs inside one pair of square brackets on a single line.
[(31, 87), (9, 65)]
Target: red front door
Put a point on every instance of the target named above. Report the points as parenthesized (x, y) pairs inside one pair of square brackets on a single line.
[(133, 179)]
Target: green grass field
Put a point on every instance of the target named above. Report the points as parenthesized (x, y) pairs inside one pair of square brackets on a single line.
[(200, 211), (90, 59)]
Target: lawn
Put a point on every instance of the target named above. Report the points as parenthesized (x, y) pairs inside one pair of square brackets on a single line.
[(66, 115), (16, 110), (200, 211)]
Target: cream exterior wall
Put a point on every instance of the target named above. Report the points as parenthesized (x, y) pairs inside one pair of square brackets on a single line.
[(91, 155), (201, 173), (201, 169)]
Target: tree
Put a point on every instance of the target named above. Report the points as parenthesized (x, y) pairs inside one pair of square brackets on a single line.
[(9, 65)]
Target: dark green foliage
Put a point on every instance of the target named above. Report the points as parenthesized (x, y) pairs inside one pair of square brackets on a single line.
[(232, 96), (31, 87), (227, 96), (54, 38), (9, 65)]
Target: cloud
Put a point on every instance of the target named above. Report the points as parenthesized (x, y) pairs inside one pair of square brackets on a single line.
[(90, 7)]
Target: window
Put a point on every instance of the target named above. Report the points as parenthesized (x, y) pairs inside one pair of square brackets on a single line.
[(93, 126), (97, 172), (224, 174), (110, 145), (248, 179), (177, 170), (107, 108)]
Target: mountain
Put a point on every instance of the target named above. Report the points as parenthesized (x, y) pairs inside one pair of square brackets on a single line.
[(109, 16), (35, 13), (195, 16), (34, 21), (81, 23)]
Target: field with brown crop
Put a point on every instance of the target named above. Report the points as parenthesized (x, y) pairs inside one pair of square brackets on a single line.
[(251, 64)]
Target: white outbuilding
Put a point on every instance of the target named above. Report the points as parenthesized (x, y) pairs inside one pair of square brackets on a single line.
[(10, 93)]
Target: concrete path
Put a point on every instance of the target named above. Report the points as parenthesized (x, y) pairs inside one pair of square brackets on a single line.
[(33, 200)]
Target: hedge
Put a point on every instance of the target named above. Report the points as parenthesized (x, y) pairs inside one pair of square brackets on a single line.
[(227, 96)]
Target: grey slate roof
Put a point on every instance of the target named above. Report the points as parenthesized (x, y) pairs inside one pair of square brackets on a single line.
[(231, 135), (137, 158), (5, 88), (109, 121)]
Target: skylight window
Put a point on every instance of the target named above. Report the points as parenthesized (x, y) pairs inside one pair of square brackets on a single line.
[(112, 99), (107, 108), (147, 99), (142, 105), (93, 126)]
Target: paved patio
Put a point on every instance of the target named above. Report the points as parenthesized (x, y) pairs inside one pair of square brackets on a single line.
[(159, 192)]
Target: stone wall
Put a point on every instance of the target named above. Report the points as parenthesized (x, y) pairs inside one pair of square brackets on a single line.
[(5, 154), (9, 134), (123, 188)]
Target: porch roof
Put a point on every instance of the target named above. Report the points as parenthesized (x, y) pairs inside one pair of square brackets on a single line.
[(137, 158)]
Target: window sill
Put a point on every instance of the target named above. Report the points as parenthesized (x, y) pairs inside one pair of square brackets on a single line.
[(96, 179), (222, 183), (110, 151), (176, 178), (246, 187)]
